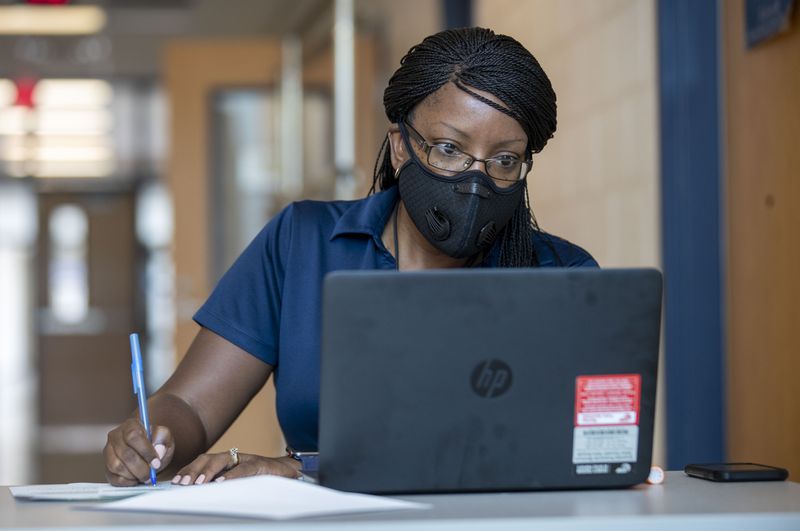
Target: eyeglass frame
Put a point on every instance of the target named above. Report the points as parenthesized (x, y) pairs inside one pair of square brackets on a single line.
[(426, 148)]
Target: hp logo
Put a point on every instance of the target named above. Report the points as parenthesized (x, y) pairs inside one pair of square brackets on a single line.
[(491, 378)]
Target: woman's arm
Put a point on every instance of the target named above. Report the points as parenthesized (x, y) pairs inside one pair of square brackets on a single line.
[(210, 387)]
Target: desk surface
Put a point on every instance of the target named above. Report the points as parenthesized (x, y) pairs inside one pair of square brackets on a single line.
[(680, 503)]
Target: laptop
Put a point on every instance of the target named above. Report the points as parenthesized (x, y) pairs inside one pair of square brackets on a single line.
[(488, 380)]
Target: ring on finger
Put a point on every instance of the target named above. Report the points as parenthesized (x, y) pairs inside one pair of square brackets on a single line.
[(234, 453)]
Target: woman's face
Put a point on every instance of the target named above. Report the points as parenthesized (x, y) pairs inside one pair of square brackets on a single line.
[(452, 117)]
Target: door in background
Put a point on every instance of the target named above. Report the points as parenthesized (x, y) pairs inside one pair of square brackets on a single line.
[(86, 262)]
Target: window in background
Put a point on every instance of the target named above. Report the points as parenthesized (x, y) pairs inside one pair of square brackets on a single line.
[(68, 272), (246, 157), (250, 184), (64, 129)]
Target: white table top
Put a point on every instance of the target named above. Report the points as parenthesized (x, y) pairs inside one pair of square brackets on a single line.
[(680, 502)]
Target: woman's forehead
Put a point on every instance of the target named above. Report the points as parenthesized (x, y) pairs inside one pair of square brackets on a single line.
[(452, 108)]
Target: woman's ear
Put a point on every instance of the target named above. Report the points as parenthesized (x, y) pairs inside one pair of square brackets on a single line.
[(397, 147)]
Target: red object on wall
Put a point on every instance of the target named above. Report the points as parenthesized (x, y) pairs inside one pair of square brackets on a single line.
[(48, 2), (25, 87)]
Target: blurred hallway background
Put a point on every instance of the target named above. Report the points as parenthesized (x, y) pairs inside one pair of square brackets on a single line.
[(143, 143)]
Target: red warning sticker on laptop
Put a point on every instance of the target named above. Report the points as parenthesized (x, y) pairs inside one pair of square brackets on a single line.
[(607, 400), (606, 423)]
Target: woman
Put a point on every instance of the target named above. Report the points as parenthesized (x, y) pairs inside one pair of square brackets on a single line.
[(468, 109)]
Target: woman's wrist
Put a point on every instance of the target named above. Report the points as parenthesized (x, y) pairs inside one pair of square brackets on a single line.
[(291, 461), (308, 461)]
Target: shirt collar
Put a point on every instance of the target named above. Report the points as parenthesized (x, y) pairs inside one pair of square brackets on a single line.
[(367, 216)]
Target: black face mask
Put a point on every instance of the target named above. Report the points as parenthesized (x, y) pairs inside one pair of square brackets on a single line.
[(460, 215)]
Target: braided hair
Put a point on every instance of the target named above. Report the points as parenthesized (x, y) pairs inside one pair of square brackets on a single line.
[(477, 58)]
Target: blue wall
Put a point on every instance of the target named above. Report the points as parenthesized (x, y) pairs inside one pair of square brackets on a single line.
[(691, 177)]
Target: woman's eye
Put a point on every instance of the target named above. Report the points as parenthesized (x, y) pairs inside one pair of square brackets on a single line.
[(506, 161), (448, 149)]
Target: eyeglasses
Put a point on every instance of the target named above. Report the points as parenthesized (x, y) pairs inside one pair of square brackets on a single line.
[(506, 168)]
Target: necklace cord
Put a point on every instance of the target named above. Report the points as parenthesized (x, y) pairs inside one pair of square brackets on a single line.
[(394, 231)]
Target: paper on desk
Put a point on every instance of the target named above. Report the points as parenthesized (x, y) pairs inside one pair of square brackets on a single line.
[(258, 497), (82, 491)]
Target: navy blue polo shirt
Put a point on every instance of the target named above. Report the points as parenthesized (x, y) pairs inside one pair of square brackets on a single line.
[(269, 302)]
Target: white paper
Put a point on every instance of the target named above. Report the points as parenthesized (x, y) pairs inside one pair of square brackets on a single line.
[(258, 497), (83, 491)]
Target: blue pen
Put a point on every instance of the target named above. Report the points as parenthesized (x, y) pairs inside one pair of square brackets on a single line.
[(137, 373)]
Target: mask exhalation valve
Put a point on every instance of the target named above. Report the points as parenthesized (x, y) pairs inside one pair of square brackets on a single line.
[(438, 224), (487, 235)]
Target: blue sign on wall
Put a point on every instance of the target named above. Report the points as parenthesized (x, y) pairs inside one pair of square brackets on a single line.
[(765, 18)]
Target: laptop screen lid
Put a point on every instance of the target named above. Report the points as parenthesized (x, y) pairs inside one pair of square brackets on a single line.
[(488, 380)]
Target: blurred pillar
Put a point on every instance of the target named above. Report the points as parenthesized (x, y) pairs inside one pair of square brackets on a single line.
[(18, 408), (291, 117), (344, 98)]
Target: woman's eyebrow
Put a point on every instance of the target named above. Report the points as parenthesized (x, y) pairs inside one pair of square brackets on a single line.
[(456, 130), (462, 134)]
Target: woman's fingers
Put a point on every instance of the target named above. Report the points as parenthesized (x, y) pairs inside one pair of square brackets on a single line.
[(188, 474), (215, 467), (116, 471), (254, 465), (164, 445), (120, 481), (203, 469), (136, 438), (122, 456), (129, 454)]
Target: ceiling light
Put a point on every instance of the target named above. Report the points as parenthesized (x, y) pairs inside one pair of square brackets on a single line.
[(51, 20), (73, 93)]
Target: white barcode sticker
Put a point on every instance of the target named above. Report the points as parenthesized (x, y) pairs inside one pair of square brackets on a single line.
[(605, 444)]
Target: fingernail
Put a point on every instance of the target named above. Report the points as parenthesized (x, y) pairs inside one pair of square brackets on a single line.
[(176, 480), (201, 478), (186, 480), (220, 479), (161, 450), (156, 463)]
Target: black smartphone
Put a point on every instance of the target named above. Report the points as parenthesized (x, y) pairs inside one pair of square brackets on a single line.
[(736, 472)]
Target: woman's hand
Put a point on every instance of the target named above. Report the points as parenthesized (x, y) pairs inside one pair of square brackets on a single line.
[(129, 454), (219, 467)]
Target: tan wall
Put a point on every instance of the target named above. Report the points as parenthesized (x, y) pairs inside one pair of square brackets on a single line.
[(597, 181), (762, 95), (409, 22), (192, 70)]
